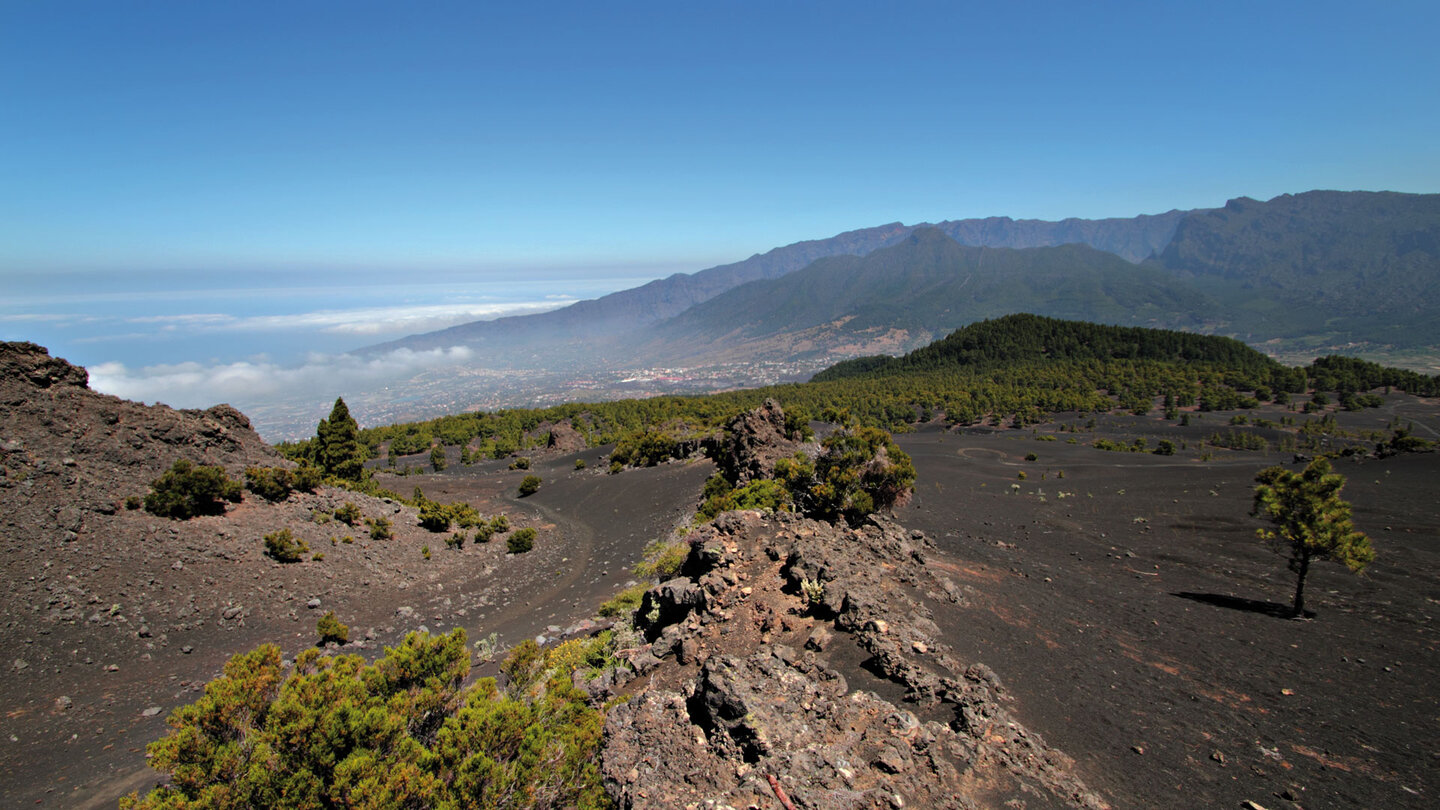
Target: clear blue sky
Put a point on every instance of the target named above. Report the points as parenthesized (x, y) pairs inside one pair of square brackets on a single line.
[(222, 137)]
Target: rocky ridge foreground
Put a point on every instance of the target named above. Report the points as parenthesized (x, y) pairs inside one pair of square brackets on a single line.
[(777, 646)]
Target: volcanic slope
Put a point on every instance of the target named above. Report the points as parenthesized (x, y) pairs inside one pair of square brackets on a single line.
[(114, 617)]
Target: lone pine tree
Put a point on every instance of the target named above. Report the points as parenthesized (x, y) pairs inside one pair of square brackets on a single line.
[(1312, 522), (337, 444)]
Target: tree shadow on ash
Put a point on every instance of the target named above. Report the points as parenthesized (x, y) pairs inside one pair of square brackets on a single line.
[(1274, 609)]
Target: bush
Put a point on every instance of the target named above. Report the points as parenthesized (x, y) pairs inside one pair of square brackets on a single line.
[(134, 502), (284, 546), (625, 602), (662, 560), (380, 528), (437, 457), (401, 732), (1165, 448), (529, 486), (330, 629), (186, 490), (276, 483), (349, 514), (521, 463), (520, 541), (579, 463)]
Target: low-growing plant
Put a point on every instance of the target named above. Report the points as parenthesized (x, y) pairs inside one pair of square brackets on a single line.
[(579, 463), (349, 514), (425, 552), (662, 560), (529, 486), (284, 546), (134, 502), (521, 463), (520, 540), (623, 603), (185, 491), (331, 629), (456, 540), (380, 528), (401, 732)]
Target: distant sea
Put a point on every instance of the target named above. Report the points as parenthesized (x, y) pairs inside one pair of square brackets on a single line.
[(195, 340)]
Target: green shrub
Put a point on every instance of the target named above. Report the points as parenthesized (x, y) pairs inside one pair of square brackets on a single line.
[(400, 732), (284, 546), (425, 552), (1031, 457), (456, 540), (330, 629), (186, 490), (579, 463), (625, 602), (522, 463), (349, 514), (662, 560), (270, 483), (520, 541), (437, 457), (134, 502), (529, 486), (1165, 448), (380, 528)]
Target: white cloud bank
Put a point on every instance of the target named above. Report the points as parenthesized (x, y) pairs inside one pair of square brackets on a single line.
[(361, 321), (197, 385)]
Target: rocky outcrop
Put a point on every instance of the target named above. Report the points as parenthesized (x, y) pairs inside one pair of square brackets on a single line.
[(752, 442), (799, 658)]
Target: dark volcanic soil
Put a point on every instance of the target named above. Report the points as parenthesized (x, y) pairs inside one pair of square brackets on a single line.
[(1127, 607), (1130, 608)]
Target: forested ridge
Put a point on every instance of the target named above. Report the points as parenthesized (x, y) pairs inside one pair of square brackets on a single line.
[(1016, 369)]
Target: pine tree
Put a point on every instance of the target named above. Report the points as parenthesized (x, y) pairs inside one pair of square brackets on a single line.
[(1312, 522), (337, 444)]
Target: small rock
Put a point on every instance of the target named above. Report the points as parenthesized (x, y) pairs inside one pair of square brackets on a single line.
[(313, 603), (878, 625), (177, 566), (231, 612), (20, 664), (187, 649), (1218, 756), (143, 632), (112, 668), (1139, 749), (152, 711), (920, 647), (63, 703)]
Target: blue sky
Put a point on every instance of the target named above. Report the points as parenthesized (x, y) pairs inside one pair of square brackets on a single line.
[(572, 148)]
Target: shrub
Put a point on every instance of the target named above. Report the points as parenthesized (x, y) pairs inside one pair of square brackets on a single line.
[(425, 552), (330, 629), (522, 463), (270, 483), (579, 463), (662, 560), (134, 502), (1165, 448), (380, 528), (186, 490), (625, 602), (1031, 457), (456, 540), (284, 546), (520, 541), (349, 514), (529, 486), (437, 457), (401, 732)]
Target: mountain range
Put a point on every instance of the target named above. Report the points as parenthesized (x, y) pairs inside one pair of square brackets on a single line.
[(1323, 270)]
